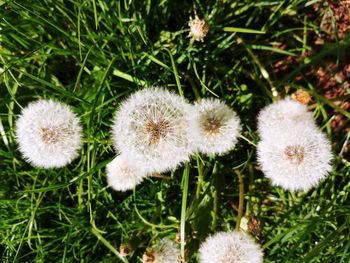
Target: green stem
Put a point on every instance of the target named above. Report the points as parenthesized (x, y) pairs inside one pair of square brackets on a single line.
[(185, 179), (241, 199), (200, 177), (215, 209)]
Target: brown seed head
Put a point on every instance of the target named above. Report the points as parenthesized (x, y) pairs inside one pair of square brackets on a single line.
[(156, 130), (50, 135), (295, 153), (211, 125)]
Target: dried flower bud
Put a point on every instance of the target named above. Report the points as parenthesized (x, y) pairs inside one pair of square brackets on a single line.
[(178, 238), (125, 249), (255, 226), (148, 257), (301, 96), (198, 29)]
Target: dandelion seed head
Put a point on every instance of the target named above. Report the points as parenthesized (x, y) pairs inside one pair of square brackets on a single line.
[(281, 111), (295, 156), (151, 127), (48, 133), (164, 251), (123, 175), (214, 127), (198, 29), (232, 246)]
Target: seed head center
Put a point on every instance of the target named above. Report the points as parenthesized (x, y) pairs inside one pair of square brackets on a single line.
[(295, 153), (50, 135), (211, 126), (156, 130)]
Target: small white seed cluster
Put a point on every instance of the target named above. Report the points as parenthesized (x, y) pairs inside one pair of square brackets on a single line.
[(163, 251), (231, 246), (292, 152), (49, 134), (156, 130)]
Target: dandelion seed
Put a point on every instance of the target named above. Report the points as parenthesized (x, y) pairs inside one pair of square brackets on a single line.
[(123, 175), (198, 29), (214, 127), (281, 111), (151, 128), (49, 134), (164, 251), (295, 156), (232, 246)]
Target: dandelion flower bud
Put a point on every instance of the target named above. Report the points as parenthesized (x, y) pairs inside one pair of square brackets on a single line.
[(125, 250), (231, 246), (151, 128), (301, 96), (295, 156), (123, 175), (214, 127), (48, 133), (198, 29), (281, 111), (164, 251)]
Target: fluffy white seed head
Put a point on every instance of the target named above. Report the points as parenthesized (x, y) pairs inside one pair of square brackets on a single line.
[(164, 251), (48, 133), (151, 128), (214, 127), (123, 175), (232, 246), (295, 156), (280, 111)]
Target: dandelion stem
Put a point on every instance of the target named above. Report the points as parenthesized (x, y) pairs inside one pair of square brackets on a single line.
[(185, 179), (214, 194), (241, 199), (215, 209), (144, 220), (200, 177), (161, 176), (273, 93)]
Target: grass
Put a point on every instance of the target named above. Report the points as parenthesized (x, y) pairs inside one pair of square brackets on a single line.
[(91, 55)]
